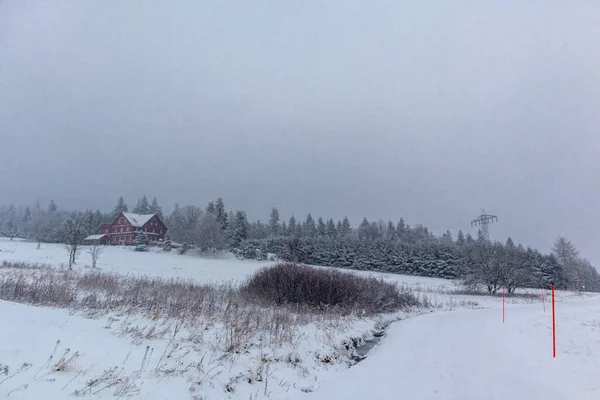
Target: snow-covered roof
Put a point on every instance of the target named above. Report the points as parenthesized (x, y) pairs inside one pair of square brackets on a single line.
[(94, 237), (138, 220)]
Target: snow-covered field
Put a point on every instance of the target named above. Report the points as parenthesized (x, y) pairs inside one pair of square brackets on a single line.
[(124, 260), (464, 354)]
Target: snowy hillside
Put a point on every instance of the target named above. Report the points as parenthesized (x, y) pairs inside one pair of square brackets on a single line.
[(247, 353)]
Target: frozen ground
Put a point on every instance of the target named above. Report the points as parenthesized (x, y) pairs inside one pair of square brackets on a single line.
[(462, 354)]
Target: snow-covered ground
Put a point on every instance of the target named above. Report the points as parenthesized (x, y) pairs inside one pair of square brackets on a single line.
[(472, 355), (464, 354), (124, 260)]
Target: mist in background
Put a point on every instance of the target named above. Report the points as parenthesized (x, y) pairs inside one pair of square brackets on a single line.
[(424, 110)]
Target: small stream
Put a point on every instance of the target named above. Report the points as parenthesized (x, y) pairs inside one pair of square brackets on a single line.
[(363, 350)]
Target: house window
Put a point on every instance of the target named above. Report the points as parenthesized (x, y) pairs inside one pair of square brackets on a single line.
[(161, 231)]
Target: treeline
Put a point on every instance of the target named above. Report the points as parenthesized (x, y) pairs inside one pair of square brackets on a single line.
[(399, 248), (480, 264), (44, 224), (48, 224), (373, 245)]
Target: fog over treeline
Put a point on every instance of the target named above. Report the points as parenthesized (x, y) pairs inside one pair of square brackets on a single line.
[(428, 111)]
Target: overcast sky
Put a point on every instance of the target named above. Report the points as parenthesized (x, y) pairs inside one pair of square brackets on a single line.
[(427, 110)]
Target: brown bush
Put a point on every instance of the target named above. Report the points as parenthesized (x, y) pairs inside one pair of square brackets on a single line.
[(288, 283)]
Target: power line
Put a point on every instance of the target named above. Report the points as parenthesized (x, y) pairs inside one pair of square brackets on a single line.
[(483, 221)]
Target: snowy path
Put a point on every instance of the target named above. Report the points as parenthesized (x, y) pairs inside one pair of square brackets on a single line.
[(472, 355)]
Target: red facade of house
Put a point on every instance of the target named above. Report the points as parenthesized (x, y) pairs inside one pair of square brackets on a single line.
[(125, 227)]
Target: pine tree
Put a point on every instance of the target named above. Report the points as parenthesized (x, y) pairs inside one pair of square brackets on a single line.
[(460, 239), (52, 207), (567, 256), (292, 226), (364, 230), (401, 229), (391, 231), (240, 229), (321, 228), (375, 230), (221, 214), (332, 232), (211, 208), (284, 229), (142, 206), (11, 221), (88, 222), (470, 239), (259, 230), (120, 207), (510, 244), (310, 229), (155, 208), (480, 238), (299, 229), (141, 242), (98, 220), (345, 229), (274, 222), (27, 215), (447, 238)]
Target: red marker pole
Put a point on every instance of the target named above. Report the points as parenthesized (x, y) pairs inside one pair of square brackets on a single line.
[(553, 326), (502, 305), (543, 301)]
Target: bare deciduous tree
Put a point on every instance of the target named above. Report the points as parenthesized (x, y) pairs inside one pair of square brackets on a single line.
[(183, 223), (208, 234), (95, 251), (73, 235), (484, 266)]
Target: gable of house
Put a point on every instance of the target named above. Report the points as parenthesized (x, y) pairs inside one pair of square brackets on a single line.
[(138, 220)]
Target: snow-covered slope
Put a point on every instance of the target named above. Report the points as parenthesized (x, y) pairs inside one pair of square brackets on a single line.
[(472, 355)]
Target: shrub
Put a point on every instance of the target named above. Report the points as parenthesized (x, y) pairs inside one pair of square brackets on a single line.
[(287, 283)]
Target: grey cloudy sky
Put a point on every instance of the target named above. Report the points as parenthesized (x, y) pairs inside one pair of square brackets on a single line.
[(429, 110)]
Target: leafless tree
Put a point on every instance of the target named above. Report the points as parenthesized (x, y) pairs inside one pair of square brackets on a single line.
[(515, 270), (209, 234), (485, 266), (73, 235), (183, 224), (95, 251)]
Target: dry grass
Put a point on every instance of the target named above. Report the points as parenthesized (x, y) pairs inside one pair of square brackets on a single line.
[(243, 313), (460, 289)]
